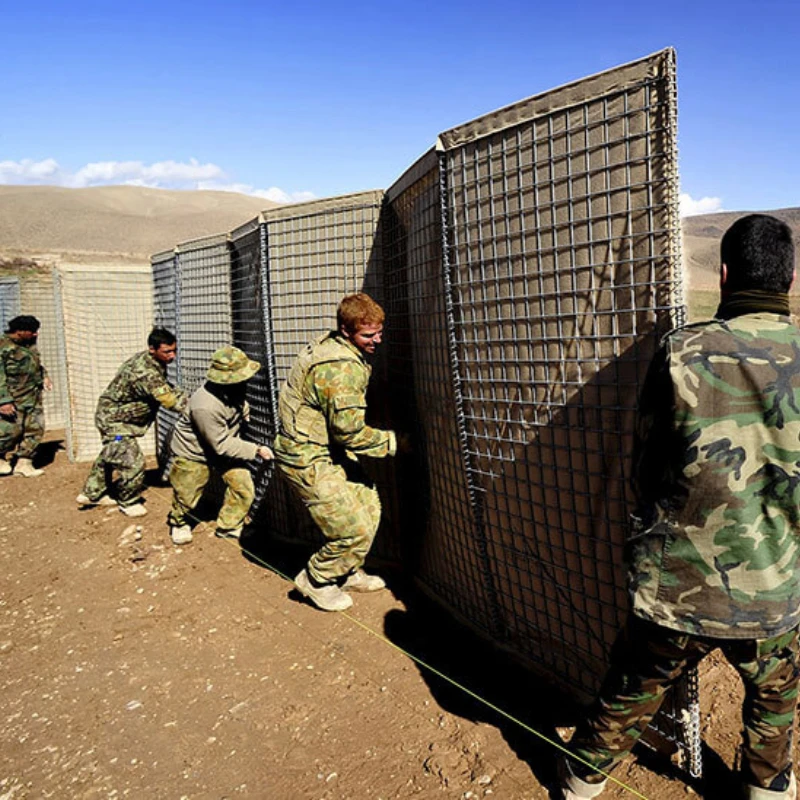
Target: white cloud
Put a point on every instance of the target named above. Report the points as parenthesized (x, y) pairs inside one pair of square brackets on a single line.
[(705, 205), (158, 175)]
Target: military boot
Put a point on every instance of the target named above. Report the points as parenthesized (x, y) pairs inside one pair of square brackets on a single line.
[(360, 581), (134, 510), (328, 597), (5, 467), (24, 467), (573, 788), (757, 793)]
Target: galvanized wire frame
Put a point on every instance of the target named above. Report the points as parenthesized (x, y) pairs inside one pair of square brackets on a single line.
[(9, 301), (165, 315), (563, 243), (252, 334)]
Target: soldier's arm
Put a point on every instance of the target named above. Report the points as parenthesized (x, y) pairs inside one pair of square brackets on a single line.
[(5, 394), (214, 434), (164, 392), (342, 398)]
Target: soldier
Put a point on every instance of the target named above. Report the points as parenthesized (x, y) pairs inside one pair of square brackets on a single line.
[(22, 378), (714, 556), (323, 432), (208, 436), (125, 411)]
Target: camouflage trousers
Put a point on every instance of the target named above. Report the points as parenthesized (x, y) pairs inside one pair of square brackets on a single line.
[(345, 506), (188, 480), (24, 431), (648, 659), (120, 453)]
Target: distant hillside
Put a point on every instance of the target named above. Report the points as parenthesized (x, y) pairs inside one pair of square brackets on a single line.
[(113, 224), (702, 234)]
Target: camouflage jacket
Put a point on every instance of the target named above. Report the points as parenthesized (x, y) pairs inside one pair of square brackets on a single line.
[(323, 403), (21, 374), (715, 547), (129, 403)]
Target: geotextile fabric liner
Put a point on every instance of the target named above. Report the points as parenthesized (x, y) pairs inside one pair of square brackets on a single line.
[(38, 297), (107, 314)]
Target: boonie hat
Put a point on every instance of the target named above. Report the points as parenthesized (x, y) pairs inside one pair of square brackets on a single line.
[(231, 365)]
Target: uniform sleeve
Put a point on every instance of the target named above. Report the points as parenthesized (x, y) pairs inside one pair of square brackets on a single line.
[(653, 440), (341, 395), (215, 435), (162, 391), (5, 395)]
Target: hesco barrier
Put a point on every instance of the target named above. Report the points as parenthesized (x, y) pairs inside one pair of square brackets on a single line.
[(38, 297), (9, 301), (107, 314), (165, 316), (528, 266)]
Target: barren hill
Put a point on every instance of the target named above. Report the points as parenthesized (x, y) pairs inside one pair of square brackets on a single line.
[(702, 234), (113, 224)]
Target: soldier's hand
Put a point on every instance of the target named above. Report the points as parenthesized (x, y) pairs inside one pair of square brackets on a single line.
[(48, 385), (403, 444), (265, 453), (8, 410)]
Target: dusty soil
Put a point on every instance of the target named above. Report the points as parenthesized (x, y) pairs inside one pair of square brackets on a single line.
[(133, 668)]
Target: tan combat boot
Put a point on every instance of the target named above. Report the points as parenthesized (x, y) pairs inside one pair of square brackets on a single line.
[(360, 581), (328, 597), (573, 788), (24, 467), (5, 467), (757, 793)]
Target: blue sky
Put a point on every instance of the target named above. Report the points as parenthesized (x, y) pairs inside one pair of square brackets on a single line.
[(297, 99)]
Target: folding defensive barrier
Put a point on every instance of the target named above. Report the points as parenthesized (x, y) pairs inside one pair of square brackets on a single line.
[(107, 314), (9, 301), (528, 266)]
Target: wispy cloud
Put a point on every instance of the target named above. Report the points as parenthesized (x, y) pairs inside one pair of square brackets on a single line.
[(704, 205), (158, 175)]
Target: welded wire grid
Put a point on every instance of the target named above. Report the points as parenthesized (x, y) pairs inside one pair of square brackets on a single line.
[(9, 301), (565, 273), (163, 266), (38, 298), (203, 298), (107, 314), (439, 533), (251, 333), (316, 253)]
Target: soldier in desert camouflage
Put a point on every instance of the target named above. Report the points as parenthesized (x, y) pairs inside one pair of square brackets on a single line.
[(22, 378), (323, 433), (125, 411), (714, 554)]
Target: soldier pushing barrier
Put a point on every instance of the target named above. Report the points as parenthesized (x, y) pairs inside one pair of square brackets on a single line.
[(323, 434), (125, 411), (209, 436), (22, 378), (714, 553)]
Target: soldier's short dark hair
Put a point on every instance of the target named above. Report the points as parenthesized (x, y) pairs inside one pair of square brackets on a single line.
[(24, 322), (358, 310), (759, 254), (159, 336)]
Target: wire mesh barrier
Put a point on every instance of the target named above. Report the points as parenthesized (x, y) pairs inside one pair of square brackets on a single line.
[(106, 315), (165, 316), (9, 300), (37, 295), (528, 265)]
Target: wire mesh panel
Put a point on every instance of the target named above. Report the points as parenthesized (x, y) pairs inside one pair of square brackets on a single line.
[(441, 545), (163, 267), (566, 271), (203, 299), (252, 334), (9, 300), (317, 253), (107, 314), (38, 297)]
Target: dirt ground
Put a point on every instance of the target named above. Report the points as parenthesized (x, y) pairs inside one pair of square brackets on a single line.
[(134, 668)]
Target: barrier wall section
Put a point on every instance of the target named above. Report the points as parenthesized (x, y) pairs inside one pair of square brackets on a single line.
[(9, 301), (107, 314), (38, 297)]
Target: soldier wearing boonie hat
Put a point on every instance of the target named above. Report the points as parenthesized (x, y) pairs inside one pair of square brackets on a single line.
[(209, 437)]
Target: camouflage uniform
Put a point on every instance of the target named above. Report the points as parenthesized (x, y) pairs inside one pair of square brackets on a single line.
[(322, 407), (21, 381), (714, 556), (125, 411)]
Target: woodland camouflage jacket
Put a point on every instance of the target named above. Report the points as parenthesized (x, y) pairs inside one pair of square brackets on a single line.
[(129, 403), (21, 373), (715, 547), (323, 403)]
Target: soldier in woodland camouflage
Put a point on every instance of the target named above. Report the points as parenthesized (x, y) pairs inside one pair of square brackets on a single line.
[(714, 554), (125, 411), (207, 437), (22, 378), (323, 432)]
